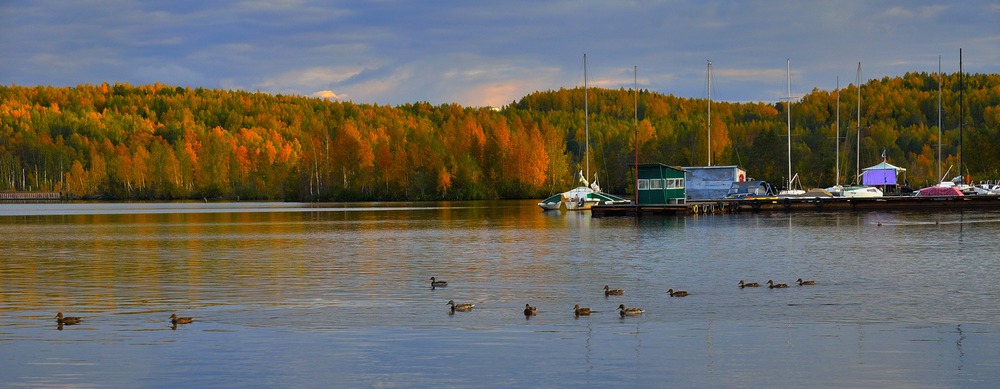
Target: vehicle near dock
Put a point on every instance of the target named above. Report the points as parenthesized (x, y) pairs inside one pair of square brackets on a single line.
[(749, 189), (711, 182)]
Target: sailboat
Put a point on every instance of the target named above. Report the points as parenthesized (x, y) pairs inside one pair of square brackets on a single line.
[(837, 189), (860, 190), (957, 186), (587, 194), (792, 179)]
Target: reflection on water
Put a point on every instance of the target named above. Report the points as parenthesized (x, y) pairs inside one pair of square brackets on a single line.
[(312, 294)]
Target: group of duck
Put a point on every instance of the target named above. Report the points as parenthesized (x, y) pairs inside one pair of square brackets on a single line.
[(74, 320), (772, 285), (623, 311)]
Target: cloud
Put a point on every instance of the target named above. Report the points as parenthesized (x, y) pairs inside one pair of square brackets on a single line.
[(919, 13), (391, 52), (301, 80), (329, 95)]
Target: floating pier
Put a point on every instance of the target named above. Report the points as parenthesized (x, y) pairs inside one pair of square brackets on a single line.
[(803, 204), (29, 196), (914, 203), (689, 208)]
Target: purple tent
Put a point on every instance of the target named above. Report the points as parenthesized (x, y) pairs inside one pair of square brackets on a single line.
[(881, 174)]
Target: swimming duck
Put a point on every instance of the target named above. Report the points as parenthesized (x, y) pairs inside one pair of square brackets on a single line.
[(67, 320), (180, 320), (678, 293), (610, 292), (748, 284), (463, 307), (580, 311), (629, 311), (772, 285), (530, 310), (805, 282), (436, 284)]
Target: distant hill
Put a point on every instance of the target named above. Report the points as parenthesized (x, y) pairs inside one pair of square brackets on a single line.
[(161, 142)]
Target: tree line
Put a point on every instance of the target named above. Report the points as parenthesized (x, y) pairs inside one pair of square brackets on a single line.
[(157, 142)]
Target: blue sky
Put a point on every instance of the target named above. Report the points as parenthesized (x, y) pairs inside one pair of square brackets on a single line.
[(489, 53)]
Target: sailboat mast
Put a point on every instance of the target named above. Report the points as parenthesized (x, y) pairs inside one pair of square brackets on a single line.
[(635, 122), (939, 120), (788, 110), (837, 142), (961, 114), (586, 118), (709, 113), (857, 173)]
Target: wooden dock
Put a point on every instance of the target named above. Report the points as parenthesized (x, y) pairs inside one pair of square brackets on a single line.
[(690, 208), (29, 196), (803, 204), (912, 203)]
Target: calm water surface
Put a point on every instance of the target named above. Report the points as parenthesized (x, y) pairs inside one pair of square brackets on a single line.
[(334, 295)]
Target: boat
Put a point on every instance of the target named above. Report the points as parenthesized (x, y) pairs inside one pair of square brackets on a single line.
[(553, 203), (944, 188), (957, 185), (585, 196), (837, 190), (749, 190), (861, 191), (792, 179)]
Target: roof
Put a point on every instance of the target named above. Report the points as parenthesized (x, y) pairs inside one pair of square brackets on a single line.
[(712, 167), (658, 165), (884, 166)]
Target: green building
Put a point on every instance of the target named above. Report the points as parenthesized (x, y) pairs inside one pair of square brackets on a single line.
[(660, 184)]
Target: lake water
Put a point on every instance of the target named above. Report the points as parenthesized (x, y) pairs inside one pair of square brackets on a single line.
[(338, 295)]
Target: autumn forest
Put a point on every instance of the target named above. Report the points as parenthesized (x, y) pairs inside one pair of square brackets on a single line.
[(157, 142)]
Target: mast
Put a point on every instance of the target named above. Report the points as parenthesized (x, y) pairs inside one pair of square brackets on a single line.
[(837, 142), (586, 118), (961, 114), (939, 120), (709, 112), (788, 110), (635, 122), (857, 173)]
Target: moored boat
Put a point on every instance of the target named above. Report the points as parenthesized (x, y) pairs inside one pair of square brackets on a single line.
[(553, 203), (586, 195), (862, 191)]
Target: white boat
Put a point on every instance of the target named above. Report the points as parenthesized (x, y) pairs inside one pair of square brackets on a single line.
[(790, 189), (553, 203), (586, 195), (862, 191)]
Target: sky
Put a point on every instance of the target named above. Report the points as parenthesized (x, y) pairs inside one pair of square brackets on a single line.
[(477, 53)]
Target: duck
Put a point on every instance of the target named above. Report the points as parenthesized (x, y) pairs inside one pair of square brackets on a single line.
[(801, 282), (677, 293), (748, 284), (629, 311), (67, 320), (530, 310), (772, 285), (461, 307), (612, 292), (180, 320), (437, 284), (581, 311)]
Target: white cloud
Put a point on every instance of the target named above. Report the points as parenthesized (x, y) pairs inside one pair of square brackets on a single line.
[(301, 80), (329, 95), (478, 54)]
